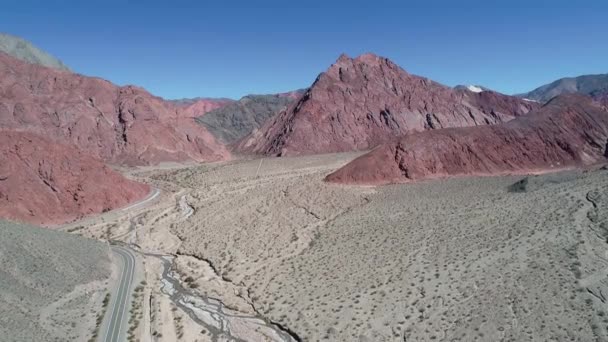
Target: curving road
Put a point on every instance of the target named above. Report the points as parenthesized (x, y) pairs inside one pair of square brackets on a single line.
[(152, 195), (117, 316)]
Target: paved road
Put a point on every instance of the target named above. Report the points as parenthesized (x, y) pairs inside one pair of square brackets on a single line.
[(153, 194), (116, 320)]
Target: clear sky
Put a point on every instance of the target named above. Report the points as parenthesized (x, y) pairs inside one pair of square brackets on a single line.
[(203, 48)]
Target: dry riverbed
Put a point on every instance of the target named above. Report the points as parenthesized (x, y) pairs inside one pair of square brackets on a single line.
[(462, 259)]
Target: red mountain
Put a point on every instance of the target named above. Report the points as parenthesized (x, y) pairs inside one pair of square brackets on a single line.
[(45, 182), (570, 130), (361, 102), (193, 108), (123, 125)]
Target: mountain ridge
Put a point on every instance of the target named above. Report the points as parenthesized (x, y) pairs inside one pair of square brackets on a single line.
[(360, 102), (120, 125), (583, 84), (28, 52), (571, 130), (235, 120)]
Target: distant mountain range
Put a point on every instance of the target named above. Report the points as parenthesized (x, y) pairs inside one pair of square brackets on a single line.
[(25, 51), (594, 85), (237, 119), (70, 125), (190, 101)]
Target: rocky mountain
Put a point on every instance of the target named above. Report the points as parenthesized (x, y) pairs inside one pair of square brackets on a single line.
[(601, 97), (586, 84), (198, 106), (26, 51), (570, 130), (45, 182), (121, 125), (235, 120), (361, 102), (211, 101)]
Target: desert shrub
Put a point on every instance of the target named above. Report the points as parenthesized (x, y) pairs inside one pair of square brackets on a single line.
[(519, 186)]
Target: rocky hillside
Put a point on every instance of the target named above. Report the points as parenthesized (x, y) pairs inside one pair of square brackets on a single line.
[(122, 125), (24, 50), (570, 130), (601, 97), (586, 84), (42, 274), (362, 102), (45, 182), (200, 105), (233, 121)]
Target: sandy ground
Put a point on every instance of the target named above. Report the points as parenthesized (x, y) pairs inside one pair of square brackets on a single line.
[(461, 259)]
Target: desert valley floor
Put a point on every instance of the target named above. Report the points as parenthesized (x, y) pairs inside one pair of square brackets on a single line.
[(461, 259)]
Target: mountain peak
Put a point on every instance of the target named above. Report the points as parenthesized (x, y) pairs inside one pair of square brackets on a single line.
[(363, 101), (343, 58), (368, 57)]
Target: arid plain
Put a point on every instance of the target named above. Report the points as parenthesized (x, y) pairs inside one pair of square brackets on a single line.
[(467, 259)]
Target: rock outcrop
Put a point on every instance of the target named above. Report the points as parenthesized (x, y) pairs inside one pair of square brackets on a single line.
[(121, 125), (362, 102), (44, 182), (569, 131), (236, 120)]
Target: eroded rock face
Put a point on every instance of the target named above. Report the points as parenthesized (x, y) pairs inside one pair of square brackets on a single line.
[(570, 130), (362, 102), (122, 125), (44, 182)]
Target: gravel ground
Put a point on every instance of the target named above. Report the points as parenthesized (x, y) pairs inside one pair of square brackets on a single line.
[(461, 259), (464, 259), (50, 284)]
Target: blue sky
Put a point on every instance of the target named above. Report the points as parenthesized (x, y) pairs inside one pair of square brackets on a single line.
[(231, 48)]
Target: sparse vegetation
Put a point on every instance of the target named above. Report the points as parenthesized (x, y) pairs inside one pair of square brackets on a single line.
[(99, 318), (41, 292), (136, 312), (424, 255), (519, 186)]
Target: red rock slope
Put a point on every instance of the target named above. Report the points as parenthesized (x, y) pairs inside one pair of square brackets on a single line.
[(124, 125), (602, 97), (361, 102), (44, 182), (570, 130), (193, 108)]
